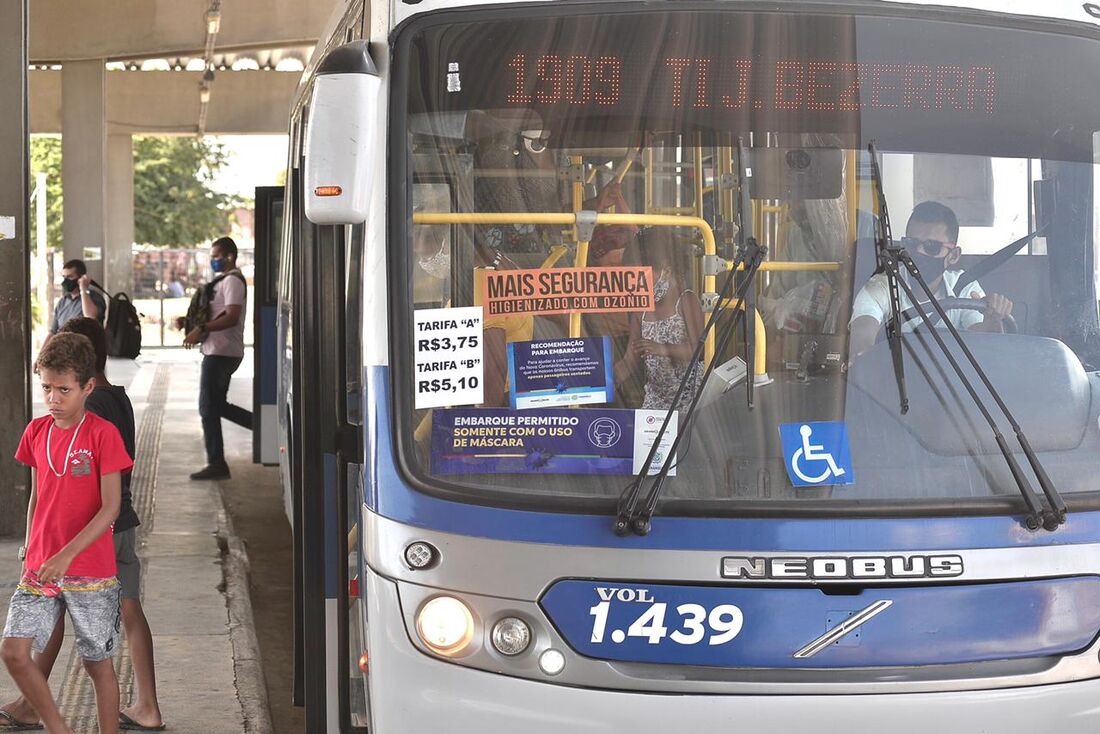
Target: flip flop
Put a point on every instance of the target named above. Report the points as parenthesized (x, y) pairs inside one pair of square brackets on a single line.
[(128, 724), (10, 723)]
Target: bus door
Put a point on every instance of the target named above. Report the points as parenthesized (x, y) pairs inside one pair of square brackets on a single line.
[(269, 227), (331, 625)]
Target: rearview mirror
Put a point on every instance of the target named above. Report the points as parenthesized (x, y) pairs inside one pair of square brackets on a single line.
[(341, 136), (797, 173)]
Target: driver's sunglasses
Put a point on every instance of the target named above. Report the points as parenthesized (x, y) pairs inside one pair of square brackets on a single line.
[(929, 248)]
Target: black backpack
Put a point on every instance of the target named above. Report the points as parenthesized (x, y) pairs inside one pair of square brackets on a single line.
[(198, 312), (123, 327)]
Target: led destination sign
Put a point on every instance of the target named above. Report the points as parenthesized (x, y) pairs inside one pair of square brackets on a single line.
[(909, 83), (740, 84)]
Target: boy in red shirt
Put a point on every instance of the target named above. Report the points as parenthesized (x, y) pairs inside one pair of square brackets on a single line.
[(76, 460)]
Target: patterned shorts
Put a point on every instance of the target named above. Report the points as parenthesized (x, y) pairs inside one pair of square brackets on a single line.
[(93, 606)]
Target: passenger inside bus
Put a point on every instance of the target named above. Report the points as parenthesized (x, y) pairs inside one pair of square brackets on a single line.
[(516, 172), (513, 247), (808, 301), (931, 240), (609, 241), (662, 342)]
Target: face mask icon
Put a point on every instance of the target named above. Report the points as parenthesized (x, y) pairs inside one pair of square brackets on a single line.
[(604, 433)]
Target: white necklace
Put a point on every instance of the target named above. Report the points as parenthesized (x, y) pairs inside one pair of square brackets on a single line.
[(49, 451)]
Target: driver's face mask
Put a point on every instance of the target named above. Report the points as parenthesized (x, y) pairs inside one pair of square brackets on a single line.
[(438, 265), (930, 256)]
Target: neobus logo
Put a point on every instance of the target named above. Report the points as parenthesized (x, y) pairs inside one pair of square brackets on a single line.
[(830, 567)]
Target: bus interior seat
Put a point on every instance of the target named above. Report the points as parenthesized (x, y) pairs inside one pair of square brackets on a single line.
[(1024, 280)]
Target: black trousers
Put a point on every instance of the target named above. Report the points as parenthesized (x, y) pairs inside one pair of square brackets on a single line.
[(213, 405)]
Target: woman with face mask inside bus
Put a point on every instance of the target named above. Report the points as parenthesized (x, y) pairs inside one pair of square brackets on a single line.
[(662, 341)]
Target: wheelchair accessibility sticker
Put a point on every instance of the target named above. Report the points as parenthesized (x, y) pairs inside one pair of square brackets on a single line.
[(817, 454)]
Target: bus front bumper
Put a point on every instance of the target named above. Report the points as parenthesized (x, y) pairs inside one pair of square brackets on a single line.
[(414, 693)]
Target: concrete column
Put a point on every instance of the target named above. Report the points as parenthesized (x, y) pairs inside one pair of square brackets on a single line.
[(14, 262), (84, 155), (117, 255)]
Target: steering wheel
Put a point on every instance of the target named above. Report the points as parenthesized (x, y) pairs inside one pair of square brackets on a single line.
[(954, 304)]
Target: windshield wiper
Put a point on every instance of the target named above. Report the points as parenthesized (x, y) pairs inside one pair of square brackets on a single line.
[(894, 258), (887, 263), (630, 517)]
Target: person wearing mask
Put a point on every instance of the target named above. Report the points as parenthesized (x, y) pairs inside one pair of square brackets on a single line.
[(662, 342), (931, 237), (222, 340), (78, 298)]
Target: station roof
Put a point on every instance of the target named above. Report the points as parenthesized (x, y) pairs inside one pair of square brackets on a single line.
[(177, 66), (114, 30)]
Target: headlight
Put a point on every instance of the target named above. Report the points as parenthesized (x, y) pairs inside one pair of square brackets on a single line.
[(446, 625)]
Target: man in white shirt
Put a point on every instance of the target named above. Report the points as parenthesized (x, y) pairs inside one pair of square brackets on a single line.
[(931, 240), (222, 339)]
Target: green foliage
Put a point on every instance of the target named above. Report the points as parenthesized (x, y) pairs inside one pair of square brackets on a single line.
[(38, 317), (46, 158), (174, 205)]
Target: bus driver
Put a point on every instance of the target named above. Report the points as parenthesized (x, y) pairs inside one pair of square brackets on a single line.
[(931, 239)]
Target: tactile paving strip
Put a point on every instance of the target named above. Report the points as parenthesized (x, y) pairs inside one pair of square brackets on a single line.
[(77, 698)]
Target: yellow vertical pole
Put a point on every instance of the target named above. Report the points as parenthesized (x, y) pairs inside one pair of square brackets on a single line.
[(698, 178), (851, 194), (581, 260), (648, 180)]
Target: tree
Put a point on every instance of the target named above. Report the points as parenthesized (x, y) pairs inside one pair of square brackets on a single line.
[(174, 204), (46, 158)]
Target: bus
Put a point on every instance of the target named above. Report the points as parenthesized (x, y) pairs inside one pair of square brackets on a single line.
[(695, 366)]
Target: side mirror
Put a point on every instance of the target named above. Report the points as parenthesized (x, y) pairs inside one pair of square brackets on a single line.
[(341, 136), (797, 173)]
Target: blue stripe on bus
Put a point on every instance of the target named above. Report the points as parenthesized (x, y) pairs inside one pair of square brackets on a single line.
[(332, 548), (269, 359), (969, 623), (392, 497)]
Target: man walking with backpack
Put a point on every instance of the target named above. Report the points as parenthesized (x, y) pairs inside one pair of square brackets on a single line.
[(219, 327)]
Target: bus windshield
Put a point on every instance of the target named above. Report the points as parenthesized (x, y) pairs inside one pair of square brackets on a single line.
[(569, 194)]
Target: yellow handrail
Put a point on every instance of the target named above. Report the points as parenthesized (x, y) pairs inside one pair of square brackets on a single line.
[(794, 266), (641, 220), (672, 210)]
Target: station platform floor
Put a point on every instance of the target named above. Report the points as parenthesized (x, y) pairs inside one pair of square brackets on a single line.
[(196, 588)]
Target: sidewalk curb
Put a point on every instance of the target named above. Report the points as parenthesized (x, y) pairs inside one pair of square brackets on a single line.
[(247, 665)]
